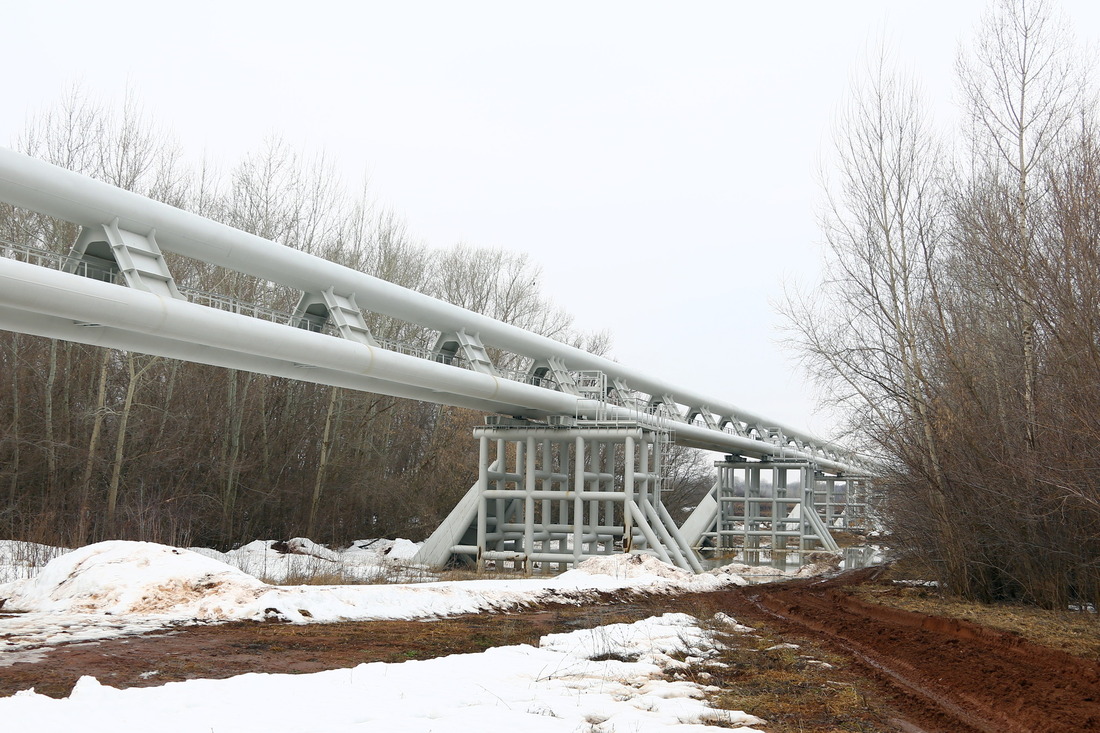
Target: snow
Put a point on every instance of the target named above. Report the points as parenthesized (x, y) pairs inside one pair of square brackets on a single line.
[(150, 584), (562, 685), (117, 588), (301, 560), (24, 559), (402, 550), (633, 566), (135, 578), (612, 678)]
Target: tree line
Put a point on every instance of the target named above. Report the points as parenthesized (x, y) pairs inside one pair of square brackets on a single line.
[(101, 444), (958, 323)]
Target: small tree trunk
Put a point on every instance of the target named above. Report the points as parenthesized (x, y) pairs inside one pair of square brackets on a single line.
[(51, 441), (322, 463), (265, 438), (120, 441), (173, 376), (231, 450), (229, 457), (15, 422), (84, 522)]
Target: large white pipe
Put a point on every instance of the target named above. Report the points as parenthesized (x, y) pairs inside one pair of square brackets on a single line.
[(39, 186), (51, 303)]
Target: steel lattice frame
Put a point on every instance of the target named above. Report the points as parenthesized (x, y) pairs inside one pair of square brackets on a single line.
[(124, 237)]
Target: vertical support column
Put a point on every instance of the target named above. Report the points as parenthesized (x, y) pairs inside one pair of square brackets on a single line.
[(528, 503), (578, 502), (647, 482), (727, 507), (779, 517), (752, 514), (565, 503), (607, 484), (592, 484), (628, 499), (546, 485), (499, 485), (807, 531), (482, 505)]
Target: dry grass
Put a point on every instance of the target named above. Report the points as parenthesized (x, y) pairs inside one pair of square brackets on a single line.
[(1075, 632), (848, 539), (315, 578), (793, 689), (327, 573), (467, 574)]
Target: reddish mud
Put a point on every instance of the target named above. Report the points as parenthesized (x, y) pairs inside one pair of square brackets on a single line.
[(935, 674), (941, 674), (218, 651)]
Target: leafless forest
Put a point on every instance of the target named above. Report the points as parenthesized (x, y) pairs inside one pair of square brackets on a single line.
[(98, 444), (957, 326), (959, 322)]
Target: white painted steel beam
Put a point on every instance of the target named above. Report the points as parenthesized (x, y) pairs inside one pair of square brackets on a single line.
[(41, 301)]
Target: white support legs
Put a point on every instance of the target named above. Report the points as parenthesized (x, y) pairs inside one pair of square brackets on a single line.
[(843, 502), (768, 509), (549, 498)]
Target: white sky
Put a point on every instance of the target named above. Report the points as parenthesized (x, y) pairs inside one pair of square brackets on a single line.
[(657, 159)]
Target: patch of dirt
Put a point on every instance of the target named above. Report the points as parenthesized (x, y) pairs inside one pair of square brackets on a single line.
[(1074, 632), (218, 651), (941, 674), (911, 671)]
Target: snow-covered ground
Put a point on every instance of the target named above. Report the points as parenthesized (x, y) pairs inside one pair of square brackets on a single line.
[(302, 561), (557, 687), (572, 682)]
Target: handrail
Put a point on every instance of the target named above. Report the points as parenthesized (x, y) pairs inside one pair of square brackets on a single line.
[(38, 186)]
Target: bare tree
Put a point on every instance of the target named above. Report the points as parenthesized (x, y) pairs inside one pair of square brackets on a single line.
[(860, 331), (1022, 88), (867, 331), (957, 321), (96, 445)]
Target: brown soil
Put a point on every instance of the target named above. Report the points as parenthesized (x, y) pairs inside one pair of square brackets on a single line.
[(939, 673), (218, 651), (928, 673)]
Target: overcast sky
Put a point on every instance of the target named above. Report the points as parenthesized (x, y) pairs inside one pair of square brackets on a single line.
[(657, 159)]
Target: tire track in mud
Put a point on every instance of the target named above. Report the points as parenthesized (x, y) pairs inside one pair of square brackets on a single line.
[(946, 674), (938, 674)]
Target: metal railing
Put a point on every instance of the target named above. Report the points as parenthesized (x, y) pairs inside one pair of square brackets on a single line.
[(589, 381), (254, 310), (58, 261), (110, 274)]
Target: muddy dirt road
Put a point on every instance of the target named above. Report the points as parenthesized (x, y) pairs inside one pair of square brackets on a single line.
[(940, 674), (934, 674)]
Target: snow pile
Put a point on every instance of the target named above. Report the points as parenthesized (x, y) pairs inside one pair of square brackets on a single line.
[(725, 618), (142, 580), (135, 578), (823, 563), (756, 571), (400, 549), (561, 687), (634, 566), (658, 576), (820, 563), (653, 641), (303, 546), (300, 560)]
